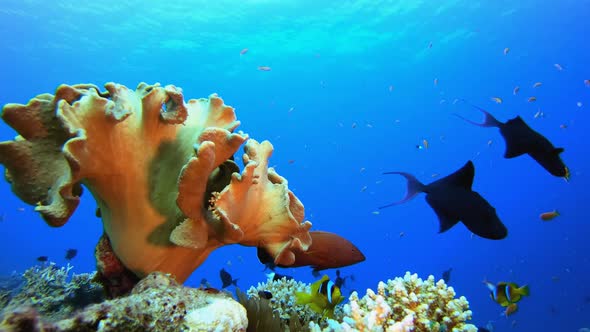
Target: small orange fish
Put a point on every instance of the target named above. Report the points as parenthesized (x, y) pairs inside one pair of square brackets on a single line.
[(506, 50), (512, 308), (537, 84), (436, 81), (516, 89), (497, 100), (548, 216), (243, 51), (425, 143), (563, 126), (532, 99), (558, 66), (264, 68)]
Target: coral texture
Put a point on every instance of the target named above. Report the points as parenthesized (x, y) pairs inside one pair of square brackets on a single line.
[(157, 303), (160, 169), (54, 292), (405, 304), (400, 305), (284, 303)]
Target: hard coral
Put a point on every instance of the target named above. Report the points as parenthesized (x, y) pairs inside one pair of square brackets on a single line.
[(405, 304), (54, 292), (160, 171), (284, 303), (157, 303)]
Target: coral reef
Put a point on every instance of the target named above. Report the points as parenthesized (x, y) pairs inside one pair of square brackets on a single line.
[(261, 316), (156, 303), (405, 304), (53, 292), (161, 171), (284, 303), (401, 304)]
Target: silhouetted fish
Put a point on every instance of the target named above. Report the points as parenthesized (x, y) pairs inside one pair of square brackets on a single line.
[(340, 281), (452, 200), (71, 253), (264, 294), (521, 139), (446, 275), (42, 259), (277, 276), (226, 279)]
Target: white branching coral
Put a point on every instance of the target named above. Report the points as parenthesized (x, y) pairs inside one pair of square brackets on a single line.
[(404, 304)]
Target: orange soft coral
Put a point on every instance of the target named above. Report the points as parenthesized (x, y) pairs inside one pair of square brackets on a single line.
[(160, 171)]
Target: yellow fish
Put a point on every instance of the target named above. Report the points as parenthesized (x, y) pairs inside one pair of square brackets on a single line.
[(507, 293), (498, 100), (323, 297)]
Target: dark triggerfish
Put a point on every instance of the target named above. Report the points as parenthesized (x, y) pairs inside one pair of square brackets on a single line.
[(452, 200), (521, 139)]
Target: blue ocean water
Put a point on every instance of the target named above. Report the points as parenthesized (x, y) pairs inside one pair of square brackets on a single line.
[(351, 94)]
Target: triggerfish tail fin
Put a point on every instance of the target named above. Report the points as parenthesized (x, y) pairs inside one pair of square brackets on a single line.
[(414, 188), (489, 120)]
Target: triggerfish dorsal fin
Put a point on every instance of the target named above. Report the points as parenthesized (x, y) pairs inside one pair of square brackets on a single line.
[(414, 188), (462, 178), (489, 120)]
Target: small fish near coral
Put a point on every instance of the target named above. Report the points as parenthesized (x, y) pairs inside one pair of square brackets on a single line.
[(507, 294), (323, 297), (521, 139), (446, 275), (453, 200), (42, 259), (226, 279), (327, 251), (71, 253)]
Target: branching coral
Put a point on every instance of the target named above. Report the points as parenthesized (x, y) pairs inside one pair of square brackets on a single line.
[(400, 305), (55, 292), (405, 304), (160, 170)]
